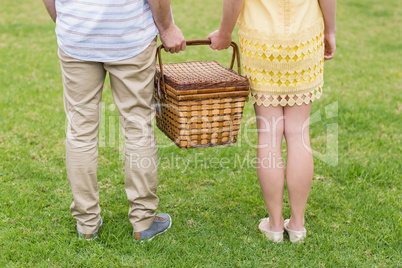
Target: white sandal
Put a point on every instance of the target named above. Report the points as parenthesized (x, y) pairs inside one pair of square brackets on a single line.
[(276, 237), (295, 236)]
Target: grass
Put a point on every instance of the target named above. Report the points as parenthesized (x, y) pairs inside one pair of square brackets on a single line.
[(354, 210)]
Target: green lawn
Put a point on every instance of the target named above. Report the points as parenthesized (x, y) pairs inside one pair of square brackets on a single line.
[(353, 216)]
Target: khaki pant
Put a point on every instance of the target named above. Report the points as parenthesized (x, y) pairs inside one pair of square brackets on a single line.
[(132, 85)]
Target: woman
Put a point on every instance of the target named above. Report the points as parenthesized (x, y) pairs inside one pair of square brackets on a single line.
[(284, 44)]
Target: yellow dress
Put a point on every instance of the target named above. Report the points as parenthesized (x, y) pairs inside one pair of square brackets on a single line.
[(282, 46)]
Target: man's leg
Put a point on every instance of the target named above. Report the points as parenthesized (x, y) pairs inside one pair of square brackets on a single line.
[(132, 88), (83, 83)]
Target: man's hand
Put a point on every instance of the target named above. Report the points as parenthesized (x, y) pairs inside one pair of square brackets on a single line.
[(172, 39), (220, 40), (171, 36)]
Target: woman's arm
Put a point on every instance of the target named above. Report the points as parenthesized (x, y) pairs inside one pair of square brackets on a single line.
[(51, 9), (221, 38), (328, 11)]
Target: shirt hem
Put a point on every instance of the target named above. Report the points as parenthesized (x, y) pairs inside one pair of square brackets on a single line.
[(112, 59)]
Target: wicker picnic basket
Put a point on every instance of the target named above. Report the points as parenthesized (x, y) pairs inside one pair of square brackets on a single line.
[(200, 103)]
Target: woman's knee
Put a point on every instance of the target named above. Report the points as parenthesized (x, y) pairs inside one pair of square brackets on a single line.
[(295, 132), (271, 136)]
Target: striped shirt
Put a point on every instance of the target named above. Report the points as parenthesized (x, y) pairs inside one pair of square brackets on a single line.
[(104, 30)]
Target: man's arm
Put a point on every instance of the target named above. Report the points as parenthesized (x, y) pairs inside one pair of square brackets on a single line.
[(171, 36), (51, 9), (328, 12), (221, 38)]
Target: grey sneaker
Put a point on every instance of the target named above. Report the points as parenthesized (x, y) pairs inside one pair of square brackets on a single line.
[(90, 236), (162, 222)]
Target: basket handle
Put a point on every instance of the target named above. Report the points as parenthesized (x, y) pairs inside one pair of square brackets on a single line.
[(198, 42)]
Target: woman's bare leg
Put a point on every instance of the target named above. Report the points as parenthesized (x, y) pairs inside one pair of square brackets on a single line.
[(299, 164), (270, 169)]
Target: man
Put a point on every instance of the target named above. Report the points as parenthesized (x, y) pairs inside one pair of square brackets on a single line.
[(118, 37)]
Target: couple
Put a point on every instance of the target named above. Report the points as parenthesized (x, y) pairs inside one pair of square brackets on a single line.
[(283, 46)]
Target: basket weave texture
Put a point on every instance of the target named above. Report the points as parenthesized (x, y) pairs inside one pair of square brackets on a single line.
[(199, 103), (191, 77)]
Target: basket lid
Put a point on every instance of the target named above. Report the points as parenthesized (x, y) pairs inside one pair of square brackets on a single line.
[(199, 75)]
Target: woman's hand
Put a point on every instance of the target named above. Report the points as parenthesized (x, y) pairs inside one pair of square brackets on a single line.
[(330, 46), (328, 8), (220, 40)]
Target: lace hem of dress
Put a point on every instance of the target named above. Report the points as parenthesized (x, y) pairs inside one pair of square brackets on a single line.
[(266, 99)]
